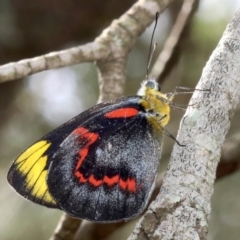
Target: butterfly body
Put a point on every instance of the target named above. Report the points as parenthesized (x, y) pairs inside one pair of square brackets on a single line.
[(102, 164)]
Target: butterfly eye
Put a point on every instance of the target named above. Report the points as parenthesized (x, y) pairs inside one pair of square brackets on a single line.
[(153, 85), (150, 84)]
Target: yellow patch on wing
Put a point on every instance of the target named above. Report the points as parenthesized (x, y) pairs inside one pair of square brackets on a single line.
[(31, 165), (28, 152)]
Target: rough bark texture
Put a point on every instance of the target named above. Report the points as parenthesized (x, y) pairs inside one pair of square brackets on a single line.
[(182, 209)]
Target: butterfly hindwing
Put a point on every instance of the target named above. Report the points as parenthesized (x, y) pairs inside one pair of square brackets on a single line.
[(105, 169)]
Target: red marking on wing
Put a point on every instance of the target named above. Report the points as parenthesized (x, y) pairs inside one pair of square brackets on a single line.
[(129, 184), (79, 175), (110, 181), (122, 113), (90, 138), (94, 181), (123, 184)]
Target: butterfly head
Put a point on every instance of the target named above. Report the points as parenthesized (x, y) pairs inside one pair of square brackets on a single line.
[(155, 102), (149, 85)]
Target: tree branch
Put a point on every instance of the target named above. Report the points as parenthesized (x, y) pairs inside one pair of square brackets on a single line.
[(182, 209), (113, 43), (85, 53)]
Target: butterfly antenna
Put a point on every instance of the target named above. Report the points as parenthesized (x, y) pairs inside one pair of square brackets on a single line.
[(152, 47)]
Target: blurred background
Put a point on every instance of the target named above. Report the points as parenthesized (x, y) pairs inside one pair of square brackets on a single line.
[(31, 107)]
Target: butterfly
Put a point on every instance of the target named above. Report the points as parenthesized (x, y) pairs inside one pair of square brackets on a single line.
[(102, 164)]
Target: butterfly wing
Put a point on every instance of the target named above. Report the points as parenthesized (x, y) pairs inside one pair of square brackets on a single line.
[(29, 171), (105, 170), (100, 166)]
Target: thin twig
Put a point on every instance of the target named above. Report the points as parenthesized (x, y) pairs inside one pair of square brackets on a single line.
[(66, 228), (174, 40)]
